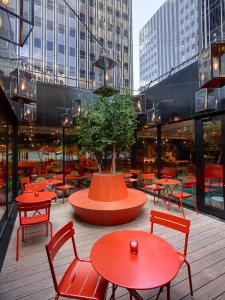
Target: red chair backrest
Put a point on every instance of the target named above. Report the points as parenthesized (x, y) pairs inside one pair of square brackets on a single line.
[(148, 176), (173, 222), (23, 181), (134, 171), (57, 241), (214, 171), (23, 208)]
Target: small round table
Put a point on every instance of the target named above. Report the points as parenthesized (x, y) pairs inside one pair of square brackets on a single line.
[(170, 185), (33, 197), (155, 264), (33, 187)]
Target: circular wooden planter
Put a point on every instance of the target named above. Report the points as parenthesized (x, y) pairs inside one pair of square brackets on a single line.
[(108, 201)]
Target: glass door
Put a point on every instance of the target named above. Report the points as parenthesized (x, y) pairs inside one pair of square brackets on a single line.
[(212, 169)]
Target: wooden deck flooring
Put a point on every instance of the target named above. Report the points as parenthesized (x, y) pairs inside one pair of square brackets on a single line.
[(30, 278)]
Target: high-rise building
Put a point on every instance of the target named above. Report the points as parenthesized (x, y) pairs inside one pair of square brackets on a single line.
[(213, 21), (61, 49), (169, 39)]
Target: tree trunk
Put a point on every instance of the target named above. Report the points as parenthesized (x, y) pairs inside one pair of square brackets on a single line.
[(113, 167), (98, 165)]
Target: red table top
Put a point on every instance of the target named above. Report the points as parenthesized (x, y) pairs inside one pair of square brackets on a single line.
[(46, 182), (77, 177), (156, 263), (167, 181), (31, 198)]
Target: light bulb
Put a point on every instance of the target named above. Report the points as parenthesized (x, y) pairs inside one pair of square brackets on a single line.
[(216, 65), (5, 2), (22, 86), (139, 105), (1, 22)]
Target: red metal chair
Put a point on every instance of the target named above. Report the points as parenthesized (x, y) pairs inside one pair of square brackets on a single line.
[(180, 195), (64, 188), (80, 280), (28, 221), (155, 189), (179, 224), (24, 181)]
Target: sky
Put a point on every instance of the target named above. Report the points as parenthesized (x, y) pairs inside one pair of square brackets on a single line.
[(143, 10)]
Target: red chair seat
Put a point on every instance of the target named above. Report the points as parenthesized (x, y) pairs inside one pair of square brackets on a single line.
[(34, 219), (64, 187), (180, 194), (81, 279), (154, 187)]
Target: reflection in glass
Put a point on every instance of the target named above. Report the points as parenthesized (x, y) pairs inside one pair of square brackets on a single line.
[(213, 162), (3, 154)]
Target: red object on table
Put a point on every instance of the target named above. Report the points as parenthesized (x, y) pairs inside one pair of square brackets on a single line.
[(155, 264), (80, 280), (28, 221), (32, 198), (179, 224)]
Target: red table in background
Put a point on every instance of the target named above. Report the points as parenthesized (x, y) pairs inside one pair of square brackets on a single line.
[(33, 197), (170, 184), (33, 187), (155, 264)]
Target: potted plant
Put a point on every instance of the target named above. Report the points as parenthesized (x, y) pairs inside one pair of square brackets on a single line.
[(108, 124)]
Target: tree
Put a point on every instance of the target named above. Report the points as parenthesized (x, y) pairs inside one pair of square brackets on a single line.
[(107, 123)]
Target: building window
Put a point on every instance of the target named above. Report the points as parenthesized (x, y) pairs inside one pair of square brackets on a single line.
[(92, 56), (82, 54), (82, 35), (37, 42), (118, 13), (100, 6), (125, 17), (82, 73), (72, 32), (61, 9), (72, 51), (49, 25), (50, 4), (82, 16), (49, 45), (61, 49), (125, 49), (91, 75), (91, 20), (37, 21), (110, 44), (61, 29), (118, 47), (118, 29), (125, 33)]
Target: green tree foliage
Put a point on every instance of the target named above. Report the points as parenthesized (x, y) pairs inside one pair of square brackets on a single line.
[(108, 123)]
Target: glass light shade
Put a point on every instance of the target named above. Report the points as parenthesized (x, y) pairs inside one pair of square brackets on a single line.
[(206, 100), (29, 112), (139, 104), (16, 20), (66, 120), (23, 85), (212, 66), (153, 116)]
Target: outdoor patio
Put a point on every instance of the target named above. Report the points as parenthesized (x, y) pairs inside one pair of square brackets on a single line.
[(30, 277)]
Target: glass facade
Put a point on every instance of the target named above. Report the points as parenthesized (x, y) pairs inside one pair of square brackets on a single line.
[(213, 21), (61, 50), (7, 158)]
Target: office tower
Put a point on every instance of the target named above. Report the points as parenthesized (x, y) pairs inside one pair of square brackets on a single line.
[(169, 39), (61, 50)]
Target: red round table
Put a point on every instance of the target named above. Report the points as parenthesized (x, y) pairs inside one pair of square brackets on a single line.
[(170, 185), (155, 264), (33, 187), (31, 197)]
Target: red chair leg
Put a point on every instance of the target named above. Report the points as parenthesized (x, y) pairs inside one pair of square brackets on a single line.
[(23, 234), (17, 243), (195, 205), (46, 229), (56, 297), (181, 205), (189, 276), (63, 196), (50, 224)]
